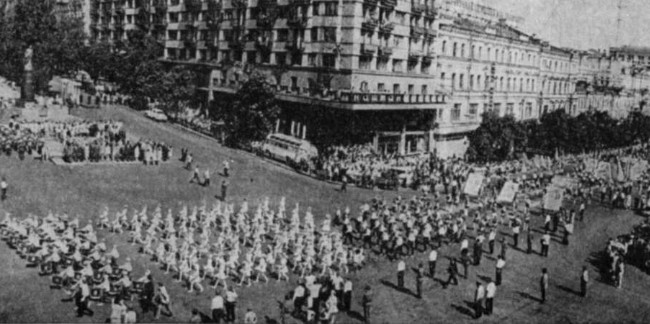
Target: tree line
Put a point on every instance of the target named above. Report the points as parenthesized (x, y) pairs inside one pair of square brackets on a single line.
[(132, 64), (502, 138)]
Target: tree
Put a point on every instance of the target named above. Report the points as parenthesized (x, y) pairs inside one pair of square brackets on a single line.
[(497, 138), (252, 113)]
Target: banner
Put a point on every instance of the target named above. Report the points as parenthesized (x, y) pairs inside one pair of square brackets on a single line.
[(637, 169), (473, 184), (565, 182), (508, 192), (591, 165), (553, 198), (603, 171)]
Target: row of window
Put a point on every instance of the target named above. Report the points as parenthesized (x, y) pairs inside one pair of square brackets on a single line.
[(501, 55), (510, 84), (526, 110)]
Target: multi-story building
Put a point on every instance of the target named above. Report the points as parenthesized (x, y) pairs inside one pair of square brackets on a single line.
[(409, 75)]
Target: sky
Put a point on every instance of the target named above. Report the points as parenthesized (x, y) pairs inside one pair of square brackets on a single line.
[(582, 24)]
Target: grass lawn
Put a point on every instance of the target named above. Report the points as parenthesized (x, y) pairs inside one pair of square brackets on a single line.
[(37, 187)]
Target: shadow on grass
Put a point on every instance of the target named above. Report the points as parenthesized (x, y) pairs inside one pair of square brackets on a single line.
[(529, 296), (569, 290), (356, 315), (463, 310), (394, 286), (600, 260)]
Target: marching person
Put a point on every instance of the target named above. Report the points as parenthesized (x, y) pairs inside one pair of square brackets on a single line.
[(453, 273), (584, 280), (224, 189), (546, 241), (217, 307), (3, 189), (499, 270), (419, 277), (543, 284), (206, 176), (433, 257), (162, 300), (226, 168), (529, 241), (367, 302), (401, 268), (490, 292), (479, 295), (231, 302), (195, 175)]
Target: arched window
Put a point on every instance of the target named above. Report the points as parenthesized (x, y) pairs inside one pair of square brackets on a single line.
[(444, 47), (455, 49)]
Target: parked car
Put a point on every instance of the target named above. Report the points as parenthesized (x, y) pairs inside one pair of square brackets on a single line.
[(288, 149), (156, 114)]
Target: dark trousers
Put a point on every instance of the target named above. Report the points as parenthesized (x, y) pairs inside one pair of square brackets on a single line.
[(583, 288), (491, 244), (478, 309), (366, 313), (545, 250), (543, 295), (217, 314), (499, 277), (489, 306), (400, 279), (230, 312), (530, 247), (347, 300), (418, 287), (432, 268), (224, 191), (4, 194), (516, 240), (225, 172), (206, 183), (82, 307)]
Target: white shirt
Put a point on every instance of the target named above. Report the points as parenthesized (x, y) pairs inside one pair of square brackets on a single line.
[(231, 296), (217, 302), (501, 263), (433, 255), (491, 290), (401, 266), (3, 185)]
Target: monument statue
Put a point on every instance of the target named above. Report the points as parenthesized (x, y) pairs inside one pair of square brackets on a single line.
[(29, 53), (27, 90)]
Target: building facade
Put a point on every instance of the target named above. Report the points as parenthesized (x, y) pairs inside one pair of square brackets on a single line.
[(408, 75)]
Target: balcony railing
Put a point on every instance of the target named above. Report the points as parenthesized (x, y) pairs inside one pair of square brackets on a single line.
[(297, 22), (387, 27), (239, 3), (250, 46), (417, 31), (294, 45), (389, 3), (368, 49), (431, 12), (418, 8), (415, 53), (370, 2), (300, 2), (385, 51), (370, 24), (389, 98)]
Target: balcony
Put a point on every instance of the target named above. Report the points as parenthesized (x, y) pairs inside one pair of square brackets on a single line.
[(389, 98), (385, 51), (430, 12), (236, 44), (370, 24), (387, 27), (295, 45), (250, 46), (297, 22), (430, 33), (279, 46), (201, 44), (370, 2), (415, 53), (368, 49), (300, 2), (418, 8), (239, 3), (264, 44), (389, 3), (417, 32), (265, 21)]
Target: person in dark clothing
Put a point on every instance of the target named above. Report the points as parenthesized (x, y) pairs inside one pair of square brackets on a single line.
[(148, 292), (224, 190), (367, 302), (453, 273)]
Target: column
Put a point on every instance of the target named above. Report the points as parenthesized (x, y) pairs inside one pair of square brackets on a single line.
[(402, 141), (432, 143), (375, 142), (293, 124), (277, 125), (304, 131)]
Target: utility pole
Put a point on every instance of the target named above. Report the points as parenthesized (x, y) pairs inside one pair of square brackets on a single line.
[(619, 19)]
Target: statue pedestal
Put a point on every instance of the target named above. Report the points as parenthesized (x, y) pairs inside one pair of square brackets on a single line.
[(27, 90)]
